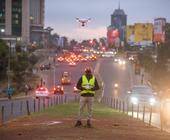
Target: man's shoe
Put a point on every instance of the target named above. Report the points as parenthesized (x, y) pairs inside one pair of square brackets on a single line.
[(78, 124), (89, 124)]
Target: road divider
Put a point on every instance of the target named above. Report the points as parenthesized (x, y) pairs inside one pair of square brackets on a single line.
[(22, 107), (153, 116)]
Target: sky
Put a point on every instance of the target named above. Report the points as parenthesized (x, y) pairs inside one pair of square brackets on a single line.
[(61, 14)]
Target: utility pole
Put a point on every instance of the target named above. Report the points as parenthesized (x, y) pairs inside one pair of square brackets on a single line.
[(9, 65), (9, 89), (54, 71)]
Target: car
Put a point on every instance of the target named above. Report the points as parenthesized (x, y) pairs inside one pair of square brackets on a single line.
[(60, 59), (93, 58), (122, 62), (66, 78), (131, 58), (42, 92), (142, 94), (45, 67), (83, 59), (58, 90), (72, 63), (116, 86), (116, 59), (42, 67), (108, 54)]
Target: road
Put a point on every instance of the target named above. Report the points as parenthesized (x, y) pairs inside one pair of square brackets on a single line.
[(112, 73)]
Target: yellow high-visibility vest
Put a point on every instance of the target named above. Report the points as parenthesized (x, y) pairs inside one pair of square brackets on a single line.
[(88, 85)]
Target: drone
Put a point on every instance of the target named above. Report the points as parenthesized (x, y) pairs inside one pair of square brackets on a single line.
[(83, 22)]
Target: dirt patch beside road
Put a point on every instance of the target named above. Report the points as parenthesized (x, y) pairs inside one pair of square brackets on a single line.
[(59, 125)]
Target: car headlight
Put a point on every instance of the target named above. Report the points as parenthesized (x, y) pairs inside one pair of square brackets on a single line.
[(116, 85), (120, 62), (123, 62), (134, 100), (152, 101)]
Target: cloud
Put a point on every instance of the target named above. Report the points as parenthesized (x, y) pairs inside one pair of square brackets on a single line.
[(82, 33)]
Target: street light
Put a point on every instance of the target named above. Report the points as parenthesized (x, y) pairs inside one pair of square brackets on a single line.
[(9, 61), (2, 30), (9, 72)]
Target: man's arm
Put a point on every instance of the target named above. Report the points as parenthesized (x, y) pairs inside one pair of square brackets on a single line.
[(78, 86), (96, 87)]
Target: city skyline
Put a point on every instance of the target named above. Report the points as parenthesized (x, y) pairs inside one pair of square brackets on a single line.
[(61, 15)]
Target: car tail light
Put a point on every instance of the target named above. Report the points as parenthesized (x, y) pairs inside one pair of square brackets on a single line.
[(62, 88)]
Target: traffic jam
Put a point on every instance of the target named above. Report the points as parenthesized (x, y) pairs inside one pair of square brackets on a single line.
[(71, 59)]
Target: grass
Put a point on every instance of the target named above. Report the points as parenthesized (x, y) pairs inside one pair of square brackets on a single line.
[(71, 110)]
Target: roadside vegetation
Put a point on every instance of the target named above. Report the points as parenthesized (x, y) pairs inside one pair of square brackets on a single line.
[(158, 70), (21, 65)]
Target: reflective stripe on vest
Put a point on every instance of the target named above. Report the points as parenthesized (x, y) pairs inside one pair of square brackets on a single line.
[(88, 85)]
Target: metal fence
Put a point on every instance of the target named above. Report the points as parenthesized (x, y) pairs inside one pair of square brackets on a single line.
[(11, 109), (152, 115)]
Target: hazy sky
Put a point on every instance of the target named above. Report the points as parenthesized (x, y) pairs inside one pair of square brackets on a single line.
[(61, 14)]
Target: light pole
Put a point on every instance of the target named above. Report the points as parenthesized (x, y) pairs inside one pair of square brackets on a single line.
[(49, 30), (9, 65), (54, 71), (2, 31), (9, 72)]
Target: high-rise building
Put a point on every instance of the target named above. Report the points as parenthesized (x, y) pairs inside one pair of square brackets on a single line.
[(118, 23), (36, 20), (2, 16), (159, 30), (23, 19)]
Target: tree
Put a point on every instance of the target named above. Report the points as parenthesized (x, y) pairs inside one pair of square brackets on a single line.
[(161, 71), (167, 32), (102, 41), (95, 43), (54, 40), (3, 59), (73, 43)]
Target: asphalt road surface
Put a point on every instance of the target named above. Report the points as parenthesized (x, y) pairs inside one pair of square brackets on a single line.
[(112, 73)]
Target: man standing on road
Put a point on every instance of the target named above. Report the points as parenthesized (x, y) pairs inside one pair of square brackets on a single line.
[(87, 84)]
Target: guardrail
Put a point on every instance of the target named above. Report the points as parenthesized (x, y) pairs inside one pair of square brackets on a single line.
[(153, 116), (11, 109)]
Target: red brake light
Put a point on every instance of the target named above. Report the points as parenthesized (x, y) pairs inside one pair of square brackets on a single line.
[(62, 88)]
